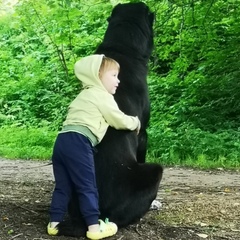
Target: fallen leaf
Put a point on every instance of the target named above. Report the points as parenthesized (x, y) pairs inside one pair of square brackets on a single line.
[(202, 235), (27, 224), (227, 190), (203, 224), (5, 218)]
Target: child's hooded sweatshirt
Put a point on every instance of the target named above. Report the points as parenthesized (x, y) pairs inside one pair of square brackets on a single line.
[(94, 109)]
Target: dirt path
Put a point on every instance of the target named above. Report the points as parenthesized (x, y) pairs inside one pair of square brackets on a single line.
[(196, 205)]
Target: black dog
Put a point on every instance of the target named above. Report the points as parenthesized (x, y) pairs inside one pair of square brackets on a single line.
[(127, 185)]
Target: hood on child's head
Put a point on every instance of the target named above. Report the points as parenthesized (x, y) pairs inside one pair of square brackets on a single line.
[(87, 70)]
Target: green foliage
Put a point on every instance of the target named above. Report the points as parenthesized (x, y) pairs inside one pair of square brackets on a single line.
[(195, 88), (191, 146), (26, 143), (38, 50), (193, 81), (198, 54)]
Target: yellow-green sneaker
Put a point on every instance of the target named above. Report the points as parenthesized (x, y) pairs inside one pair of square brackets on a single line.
[(53, 231), (106, 229)]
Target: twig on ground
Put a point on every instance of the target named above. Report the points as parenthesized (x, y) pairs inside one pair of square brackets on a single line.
[(120, 238), (29, 210), (17, 235), (137, 231), (7, 226)]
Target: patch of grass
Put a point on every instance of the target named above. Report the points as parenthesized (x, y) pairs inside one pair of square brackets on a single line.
[(37, 143), (201, 162), (26, 143), (190, 146)]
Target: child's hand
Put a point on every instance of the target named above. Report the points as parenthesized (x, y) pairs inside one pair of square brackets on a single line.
[(138, 127)]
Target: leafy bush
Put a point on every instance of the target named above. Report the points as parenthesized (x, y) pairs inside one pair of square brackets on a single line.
[(38, 51), (26, 143), (193, 80)]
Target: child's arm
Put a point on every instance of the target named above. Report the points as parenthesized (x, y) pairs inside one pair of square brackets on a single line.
[(116, 118)]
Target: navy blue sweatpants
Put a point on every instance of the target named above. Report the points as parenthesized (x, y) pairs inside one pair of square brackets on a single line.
[(73, 168)]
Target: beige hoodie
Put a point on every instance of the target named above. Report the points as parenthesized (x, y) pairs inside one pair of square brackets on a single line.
[(94, 109)]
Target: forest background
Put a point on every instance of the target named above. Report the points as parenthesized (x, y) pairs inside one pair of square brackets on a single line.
[(193, 76)]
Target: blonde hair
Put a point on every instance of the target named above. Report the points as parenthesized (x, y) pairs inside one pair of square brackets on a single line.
[(108, 63)]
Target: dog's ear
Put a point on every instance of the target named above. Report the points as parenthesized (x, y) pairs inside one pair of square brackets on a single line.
[(114, 10)]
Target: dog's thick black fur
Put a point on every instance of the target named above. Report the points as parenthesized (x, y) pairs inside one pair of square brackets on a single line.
[(127, 185)]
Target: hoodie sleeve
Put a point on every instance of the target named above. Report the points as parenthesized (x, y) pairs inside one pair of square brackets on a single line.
[(115, 117)]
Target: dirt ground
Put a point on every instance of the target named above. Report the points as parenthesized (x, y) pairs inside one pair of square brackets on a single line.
[(195, 205)]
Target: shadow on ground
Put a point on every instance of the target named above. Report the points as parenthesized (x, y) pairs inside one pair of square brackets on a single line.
[(196, 205)]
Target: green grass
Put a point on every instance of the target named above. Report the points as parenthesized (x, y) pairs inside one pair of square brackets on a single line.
[(37, 143), (201, 162), (26, 143)]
